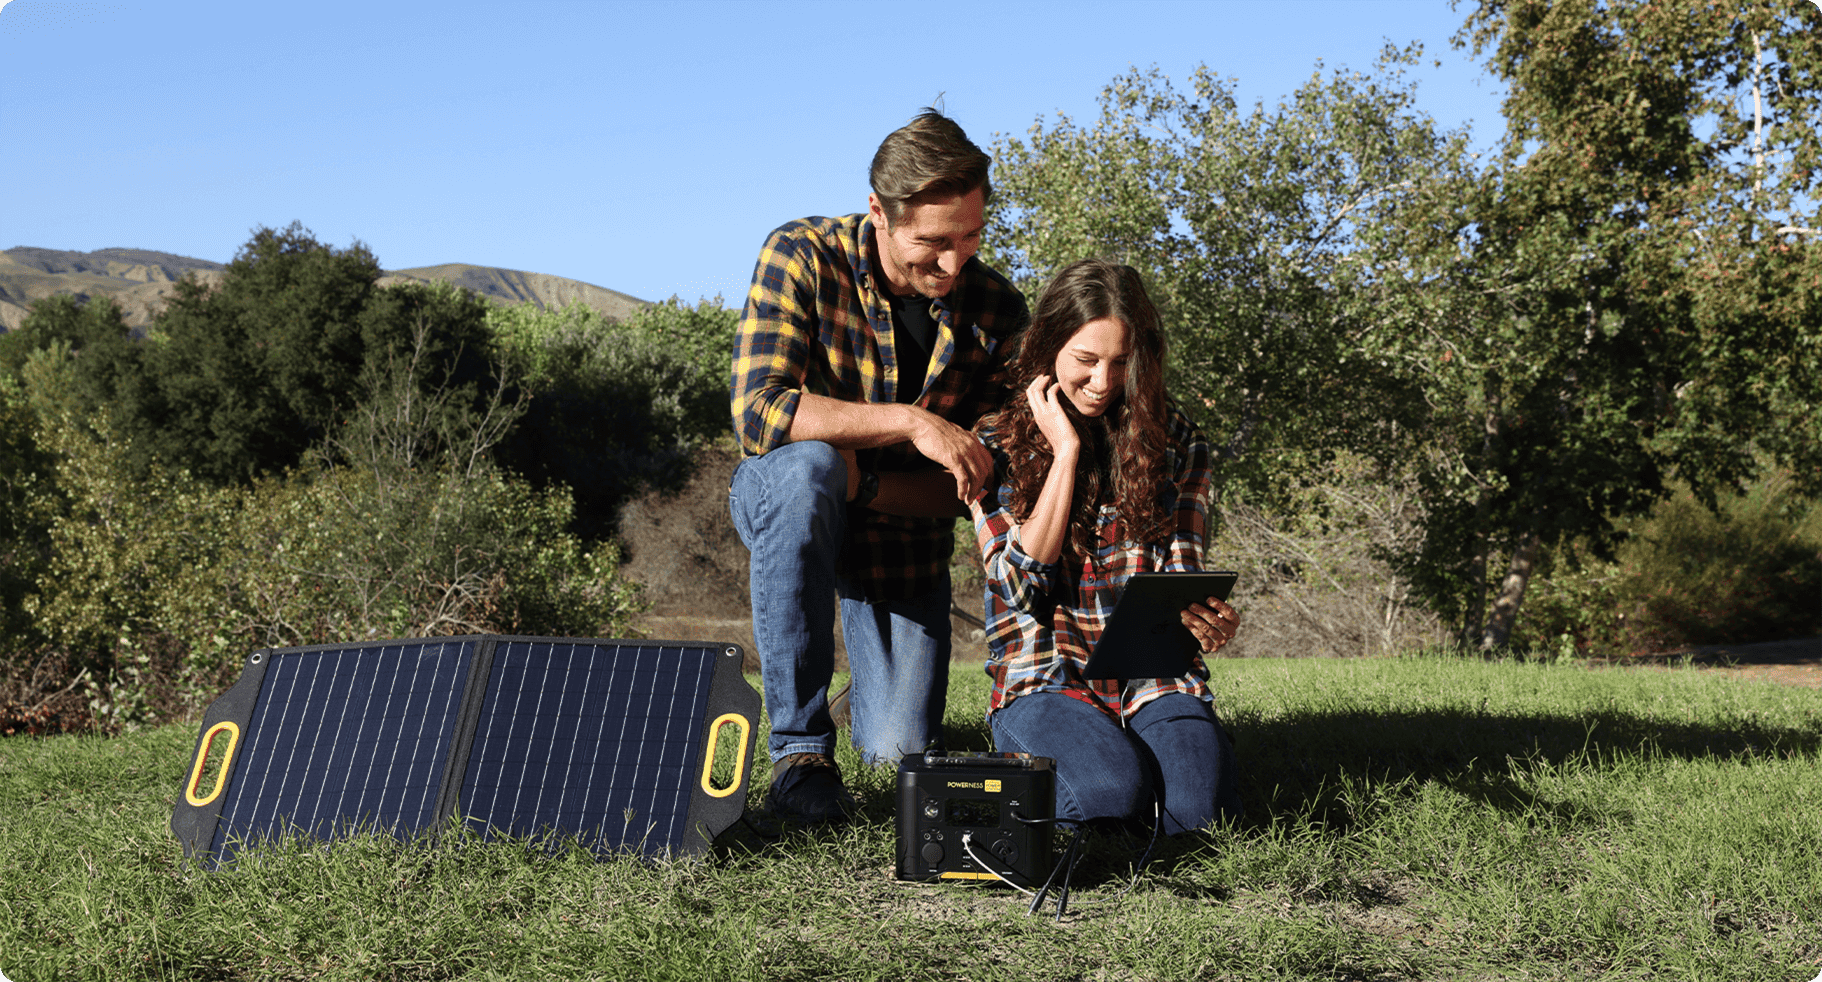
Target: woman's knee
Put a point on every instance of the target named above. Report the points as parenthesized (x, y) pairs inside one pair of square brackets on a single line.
[(1099, 773)]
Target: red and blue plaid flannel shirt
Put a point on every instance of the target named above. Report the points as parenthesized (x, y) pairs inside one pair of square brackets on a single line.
[(1039, 632)]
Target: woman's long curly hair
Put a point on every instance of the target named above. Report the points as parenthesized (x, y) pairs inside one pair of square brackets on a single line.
[(1123, 450)]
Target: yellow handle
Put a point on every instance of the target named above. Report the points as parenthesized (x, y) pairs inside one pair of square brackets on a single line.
[(202, 757), (740, 763)]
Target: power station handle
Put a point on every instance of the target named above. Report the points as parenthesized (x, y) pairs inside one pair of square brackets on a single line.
[(202, 758), (740, 762)]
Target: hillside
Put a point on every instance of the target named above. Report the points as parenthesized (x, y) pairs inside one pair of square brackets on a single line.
[(139, 279)]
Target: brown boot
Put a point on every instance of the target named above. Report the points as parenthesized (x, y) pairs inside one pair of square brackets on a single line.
[(807, 788)]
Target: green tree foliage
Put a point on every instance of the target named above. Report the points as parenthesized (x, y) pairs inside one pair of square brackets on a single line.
[(1265, 236), (24, 535), (96, 329), (1631, 247), (242, 379), (615, 406), (157, 583)]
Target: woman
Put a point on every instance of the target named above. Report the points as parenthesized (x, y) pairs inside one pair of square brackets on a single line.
[(1099, 476)]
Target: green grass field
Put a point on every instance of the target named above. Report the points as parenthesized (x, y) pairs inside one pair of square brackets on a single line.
[(1423, 818)]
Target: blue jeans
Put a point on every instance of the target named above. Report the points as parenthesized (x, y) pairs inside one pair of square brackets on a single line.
[(1174, 746), (790, 507)]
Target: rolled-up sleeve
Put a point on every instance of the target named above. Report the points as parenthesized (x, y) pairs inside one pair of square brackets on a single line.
[(772, 348), (1192, 478), (1019, 581)]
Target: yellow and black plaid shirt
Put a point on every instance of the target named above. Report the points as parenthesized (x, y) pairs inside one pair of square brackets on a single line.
[(817, 319)]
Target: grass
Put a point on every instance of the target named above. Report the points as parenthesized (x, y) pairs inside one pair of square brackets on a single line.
[(1418, 817)]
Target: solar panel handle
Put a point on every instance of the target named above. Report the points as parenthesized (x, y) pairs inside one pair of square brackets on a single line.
[(203, 747), (714, 746)]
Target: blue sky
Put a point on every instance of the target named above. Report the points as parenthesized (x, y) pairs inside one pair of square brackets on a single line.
[(643, 147)]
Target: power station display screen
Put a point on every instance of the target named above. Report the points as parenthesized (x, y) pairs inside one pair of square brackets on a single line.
[(973, 812)]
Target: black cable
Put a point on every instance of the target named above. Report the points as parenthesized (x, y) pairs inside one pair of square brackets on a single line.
[(1075, 841), (1038, 899)]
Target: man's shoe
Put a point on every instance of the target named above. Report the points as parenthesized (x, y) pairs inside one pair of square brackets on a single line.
[(807, 788)]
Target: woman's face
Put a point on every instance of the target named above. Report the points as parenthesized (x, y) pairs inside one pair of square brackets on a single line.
[(1091, 368)]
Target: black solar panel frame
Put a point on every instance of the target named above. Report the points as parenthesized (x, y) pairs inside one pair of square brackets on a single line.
[(244, 711)]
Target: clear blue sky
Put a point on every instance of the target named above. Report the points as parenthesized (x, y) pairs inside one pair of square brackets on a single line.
[(643, 147)]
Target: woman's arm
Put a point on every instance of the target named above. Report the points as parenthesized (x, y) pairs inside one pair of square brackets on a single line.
[(1194, 492), (1213, 623), (1047, 527)]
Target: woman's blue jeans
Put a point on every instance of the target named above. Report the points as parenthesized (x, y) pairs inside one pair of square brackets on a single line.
[(790, 508), (1173, 747)]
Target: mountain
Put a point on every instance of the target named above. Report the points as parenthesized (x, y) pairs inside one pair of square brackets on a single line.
[(139, 279)]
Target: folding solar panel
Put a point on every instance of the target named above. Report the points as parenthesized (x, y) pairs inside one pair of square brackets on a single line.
[(613, 743)]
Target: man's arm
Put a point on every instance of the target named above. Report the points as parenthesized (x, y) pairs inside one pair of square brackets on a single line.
[(864, 425), (911, 494)]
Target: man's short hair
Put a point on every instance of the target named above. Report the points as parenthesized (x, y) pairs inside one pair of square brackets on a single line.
[(928, 157)]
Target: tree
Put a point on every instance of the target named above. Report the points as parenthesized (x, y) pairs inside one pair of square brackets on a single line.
[(243, 379), (1632, 245), (1266, 238), (94, 331), (615, 407)]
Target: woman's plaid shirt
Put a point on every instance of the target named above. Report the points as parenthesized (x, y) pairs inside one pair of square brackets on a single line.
[(1039, 631), (817, 320)]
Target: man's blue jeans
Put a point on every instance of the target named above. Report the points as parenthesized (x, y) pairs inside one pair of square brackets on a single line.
[(790, 507), (1173, 746)]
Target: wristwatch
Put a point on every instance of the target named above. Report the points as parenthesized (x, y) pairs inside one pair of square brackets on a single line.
[(868, 490)]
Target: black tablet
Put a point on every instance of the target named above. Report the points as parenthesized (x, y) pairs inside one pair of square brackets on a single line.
[(1145, 638)]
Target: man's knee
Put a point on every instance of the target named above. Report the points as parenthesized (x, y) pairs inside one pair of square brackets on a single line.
[(784, 488), (1101, 794), (810, 464)]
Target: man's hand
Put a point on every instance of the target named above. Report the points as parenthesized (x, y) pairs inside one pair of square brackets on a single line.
[(1213, 624), (956, 451)]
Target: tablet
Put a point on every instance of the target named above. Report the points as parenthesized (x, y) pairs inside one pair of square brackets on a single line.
[(1145, 638)]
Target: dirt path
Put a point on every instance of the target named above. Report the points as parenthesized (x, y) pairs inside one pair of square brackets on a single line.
[(1794, 662)]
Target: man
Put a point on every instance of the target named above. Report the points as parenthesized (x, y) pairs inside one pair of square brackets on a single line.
[(868, 347)]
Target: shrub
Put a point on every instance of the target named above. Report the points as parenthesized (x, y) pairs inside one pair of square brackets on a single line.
[(157, 584), (615, 408), (1749, 570), (1317, 575)]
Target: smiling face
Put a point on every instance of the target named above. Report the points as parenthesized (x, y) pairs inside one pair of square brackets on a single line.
[(924, 250), (1091, 367)]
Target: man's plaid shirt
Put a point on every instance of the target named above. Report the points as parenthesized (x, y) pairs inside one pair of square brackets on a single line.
[(1041, 627), (817, 319)]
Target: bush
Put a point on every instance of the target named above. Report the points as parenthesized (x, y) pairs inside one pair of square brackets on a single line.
[(1318, 577), (1689, 575), (24, 542), (158, 584), (615, 408)]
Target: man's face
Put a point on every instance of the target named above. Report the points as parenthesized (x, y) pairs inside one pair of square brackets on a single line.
[(925, 249)]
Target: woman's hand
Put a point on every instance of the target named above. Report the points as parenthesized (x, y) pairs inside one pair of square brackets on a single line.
[(1045, 397), (1213, 624)]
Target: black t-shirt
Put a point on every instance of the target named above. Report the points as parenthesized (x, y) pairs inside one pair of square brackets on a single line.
[(915, 333)]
